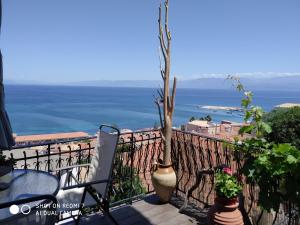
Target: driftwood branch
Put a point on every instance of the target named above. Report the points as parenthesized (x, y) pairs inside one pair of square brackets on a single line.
[(157, 102), (162, 72), (173, 94), (161, 94), (165, 97), (161, 35)]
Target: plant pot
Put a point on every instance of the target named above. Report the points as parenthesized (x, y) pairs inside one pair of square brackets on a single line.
[(164, 182), (5, 176), (225, 212)]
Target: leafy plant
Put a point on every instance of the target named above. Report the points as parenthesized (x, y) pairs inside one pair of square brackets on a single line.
[(227, 185), (4, 161), (273, 166), (207, 118), (285, 124), (126, 180)]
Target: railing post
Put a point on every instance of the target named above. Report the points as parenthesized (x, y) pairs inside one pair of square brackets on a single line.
[(37, 160), (25, 160), (49, 151), (131, 166), (79, 162), (12, 157)]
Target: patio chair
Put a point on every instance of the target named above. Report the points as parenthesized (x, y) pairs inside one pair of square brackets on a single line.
[(29, 212), (94, 191)]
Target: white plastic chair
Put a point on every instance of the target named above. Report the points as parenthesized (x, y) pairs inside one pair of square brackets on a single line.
[(94, 191)]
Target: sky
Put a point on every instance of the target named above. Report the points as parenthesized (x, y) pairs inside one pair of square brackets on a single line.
[(58, 41)]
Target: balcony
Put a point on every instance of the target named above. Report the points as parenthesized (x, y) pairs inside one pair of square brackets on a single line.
[(132, 197)]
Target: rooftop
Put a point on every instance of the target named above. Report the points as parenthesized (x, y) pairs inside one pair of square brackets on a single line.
[(201, 123), (49, 137)]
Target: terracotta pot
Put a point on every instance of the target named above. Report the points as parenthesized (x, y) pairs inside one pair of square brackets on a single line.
[(225, 212), (164, 182)]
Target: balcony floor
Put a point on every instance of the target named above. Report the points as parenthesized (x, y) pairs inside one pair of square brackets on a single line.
[(146, 212)]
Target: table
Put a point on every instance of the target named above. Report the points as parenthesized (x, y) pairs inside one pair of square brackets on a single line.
[(25, 184)]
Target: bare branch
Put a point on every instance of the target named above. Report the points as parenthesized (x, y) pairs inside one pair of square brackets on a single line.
[(168, 104), (161, 35), (173, 94), (160, 93), (157, 102), (167, 100), (167, 20), (162, 72), (162, 135)]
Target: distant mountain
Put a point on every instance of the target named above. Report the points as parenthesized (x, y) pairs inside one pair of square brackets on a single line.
[(263, 83), (118, 83)]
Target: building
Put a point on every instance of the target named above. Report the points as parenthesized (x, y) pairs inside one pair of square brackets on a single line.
[(226, 130), (230, 128), (202, 127), (44, 138)]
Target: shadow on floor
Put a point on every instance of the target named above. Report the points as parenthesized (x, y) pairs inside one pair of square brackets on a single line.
[(149, 211)]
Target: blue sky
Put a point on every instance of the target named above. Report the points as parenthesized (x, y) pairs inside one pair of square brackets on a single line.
[(75, 40)]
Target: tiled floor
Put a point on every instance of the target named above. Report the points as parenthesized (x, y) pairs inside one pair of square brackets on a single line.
[(145, 212)]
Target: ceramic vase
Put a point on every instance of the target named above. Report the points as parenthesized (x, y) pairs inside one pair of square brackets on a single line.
[(164, 182)]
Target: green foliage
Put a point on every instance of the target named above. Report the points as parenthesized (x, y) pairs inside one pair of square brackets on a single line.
[(274, 167), (252, 114), (182, 127), (227, 185), (124, 186), (207, 118), (192, 119), (285, 124), (4, 161), (123, 148), (276, 170)]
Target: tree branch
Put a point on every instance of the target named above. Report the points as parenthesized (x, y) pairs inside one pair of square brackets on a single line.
[(173, 94), (162, 72), (161, 35), (160, 93), (157, 102)]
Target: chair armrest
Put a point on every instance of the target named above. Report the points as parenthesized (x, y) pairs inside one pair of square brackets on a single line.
[(85, 184)]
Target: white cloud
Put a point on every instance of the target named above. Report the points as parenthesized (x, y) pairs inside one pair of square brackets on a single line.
[(241, 74)]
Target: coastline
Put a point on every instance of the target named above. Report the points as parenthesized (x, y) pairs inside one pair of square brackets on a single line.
[(227, 108)]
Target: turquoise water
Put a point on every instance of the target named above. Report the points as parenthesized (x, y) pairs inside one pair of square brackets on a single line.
[(51, 109)]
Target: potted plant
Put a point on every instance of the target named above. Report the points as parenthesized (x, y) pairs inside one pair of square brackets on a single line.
[(6, 166), (164, 177), (225, 210), (272, 167)]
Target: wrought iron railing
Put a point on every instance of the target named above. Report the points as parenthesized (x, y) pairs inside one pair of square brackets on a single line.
[(194, 156), (136, 152)]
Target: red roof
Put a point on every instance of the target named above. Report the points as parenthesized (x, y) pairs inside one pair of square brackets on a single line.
[(48, 137)]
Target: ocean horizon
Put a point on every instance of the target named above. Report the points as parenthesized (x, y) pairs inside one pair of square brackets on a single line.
[(36, 109)]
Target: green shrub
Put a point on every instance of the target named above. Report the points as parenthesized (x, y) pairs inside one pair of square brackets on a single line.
[(227, 185), (285, 124)]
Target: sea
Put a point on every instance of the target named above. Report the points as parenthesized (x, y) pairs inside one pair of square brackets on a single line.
[(53, 109)]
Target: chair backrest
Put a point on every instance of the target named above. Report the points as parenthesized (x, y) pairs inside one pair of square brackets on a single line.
[(37, 210), (103, 158)]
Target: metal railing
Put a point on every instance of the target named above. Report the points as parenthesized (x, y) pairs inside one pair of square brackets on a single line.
[(192, 155), (136, 152), (195, 156)]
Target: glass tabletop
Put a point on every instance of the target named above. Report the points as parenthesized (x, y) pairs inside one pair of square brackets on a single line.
[(25, 184)]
